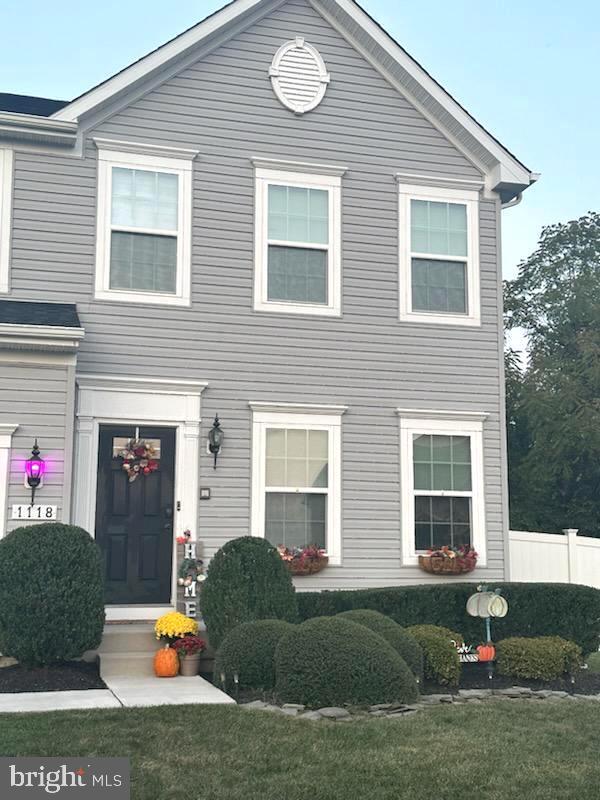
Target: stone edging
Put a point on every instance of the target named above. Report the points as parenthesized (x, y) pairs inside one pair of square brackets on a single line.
[(401, 711)]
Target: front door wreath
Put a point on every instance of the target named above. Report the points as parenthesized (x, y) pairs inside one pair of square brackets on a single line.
[(138, 459)]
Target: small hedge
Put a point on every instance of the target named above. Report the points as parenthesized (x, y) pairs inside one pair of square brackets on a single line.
[(535, 609), (331, 661), (249, 652), (403, 643), (441, 661), (544, 658), (245, 581), (51, 594)]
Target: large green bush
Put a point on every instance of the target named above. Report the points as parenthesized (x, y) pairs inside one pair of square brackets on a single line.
[(403, 643), (331, 661), (248, 651), (542, 658), (51, 594), (245, 581), (441, 661), (535, 609)]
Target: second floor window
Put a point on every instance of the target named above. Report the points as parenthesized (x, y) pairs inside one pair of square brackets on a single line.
[(439, 256), (297, 242), (144, 233)]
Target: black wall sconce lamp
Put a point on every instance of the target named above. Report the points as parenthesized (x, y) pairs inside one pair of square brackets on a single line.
[(215, 439), (34, 470)]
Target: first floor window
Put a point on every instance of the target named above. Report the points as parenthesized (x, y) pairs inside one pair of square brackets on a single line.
[(443, 490), (439, 255), (296, 479), (442, 499), (297, 242), (143, 228)]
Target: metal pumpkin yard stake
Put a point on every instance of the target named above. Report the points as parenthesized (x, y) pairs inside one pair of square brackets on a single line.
[(486, 604)]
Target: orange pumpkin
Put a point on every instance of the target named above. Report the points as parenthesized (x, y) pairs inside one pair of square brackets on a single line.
[(486, 652), (166, 663)]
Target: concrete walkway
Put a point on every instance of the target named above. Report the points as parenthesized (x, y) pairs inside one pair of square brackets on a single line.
[(165, 691), (57, 701), (122, 692)]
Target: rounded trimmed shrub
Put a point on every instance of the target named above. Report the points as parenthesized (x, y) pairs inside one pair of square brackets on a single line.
[(245, 581), (441, 663), (51, 594), (249, 652), (403, 643), (542, 658), (331, 661)]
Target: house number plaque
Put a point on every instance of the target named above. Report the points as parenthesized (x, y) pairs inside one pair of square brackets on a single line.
[(35, 512)]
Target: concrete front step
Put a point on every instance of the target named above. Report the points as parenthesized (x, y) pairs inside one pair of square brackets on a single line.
[(128, 638), (127, 665)]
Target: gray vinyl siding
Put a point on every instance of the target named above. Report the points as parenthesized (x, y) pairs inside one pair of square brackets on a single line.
[(36, 397), (224, 107)]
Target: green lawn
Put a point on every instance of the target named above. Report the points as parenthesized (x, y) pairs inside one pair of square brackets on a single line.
[(495, 751)]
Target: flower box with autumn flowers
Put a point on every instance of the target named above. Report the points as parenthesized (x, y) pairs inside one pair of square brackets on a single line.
[(303, 560), (449, 560)]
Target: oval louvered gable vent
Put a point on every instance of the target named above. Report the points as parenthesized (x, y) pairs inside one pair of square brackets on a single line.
[(299, 76)]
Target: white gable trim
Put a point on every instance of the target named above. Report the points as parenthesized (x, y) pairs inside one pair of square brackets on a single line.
[(155, 60), (500, 166), (508, 169)]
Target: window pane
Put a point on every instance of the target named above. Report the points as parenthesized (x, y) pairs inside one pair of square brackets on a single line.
[(439, 286), (144, 199), (439, 228), (297, 275), (296, 519), (442, 463), (143, 262), (297, 458), (298, 215), (442, 521)]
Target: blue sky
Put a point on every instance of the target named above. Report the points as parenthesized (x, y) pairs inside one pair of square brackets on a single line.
[(526, 70)]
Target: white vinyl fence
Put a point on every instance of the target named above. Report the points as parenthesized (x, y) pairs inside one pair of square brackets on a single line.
[(554, 558)]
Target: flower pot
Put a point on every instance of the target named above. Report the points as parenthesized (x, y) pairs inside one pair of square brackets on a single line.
[(189, 665)]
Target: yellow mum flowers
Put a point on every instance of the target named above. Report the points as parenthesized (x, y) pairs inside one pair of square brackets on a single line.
[(174, 625)]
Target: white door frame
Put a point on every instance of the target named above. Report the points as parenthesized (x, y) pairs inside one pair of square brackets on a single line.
[(111, 400)]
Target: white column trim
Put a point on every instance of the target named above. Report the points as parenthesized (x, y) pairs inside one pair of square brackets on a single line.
[(6, 432)]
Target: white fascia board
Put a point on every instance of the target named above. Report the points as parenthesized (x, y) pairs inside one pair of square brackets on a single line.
[(37, 129), (39, 337), (154, 60), (509, 169)]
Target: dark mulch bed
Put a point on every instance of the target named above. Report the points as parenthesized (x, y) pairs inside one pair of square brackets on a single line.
[(476, 676), (57, 678)]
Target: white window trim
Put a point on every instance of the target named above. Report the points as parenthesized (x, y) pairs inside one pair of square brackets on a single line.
[(433, 423), (6, 181), (182, 167), (307, 417), (327, 182), (470, 198)]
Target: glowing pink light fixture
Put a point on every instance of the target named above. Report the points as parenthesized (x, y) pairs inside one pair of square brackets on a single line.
[(34, 470)]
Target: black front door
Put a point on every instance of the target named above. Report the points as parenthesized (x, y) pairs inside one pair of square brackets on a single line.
[(134, 519)]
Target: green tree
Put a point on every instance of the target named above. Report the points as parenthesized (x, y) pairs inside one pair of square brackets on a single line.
[(553, 403)]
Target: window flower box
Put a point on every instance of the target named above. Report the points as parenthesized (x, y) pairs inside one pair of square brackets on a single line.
[(304, 561), (449, 561)]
